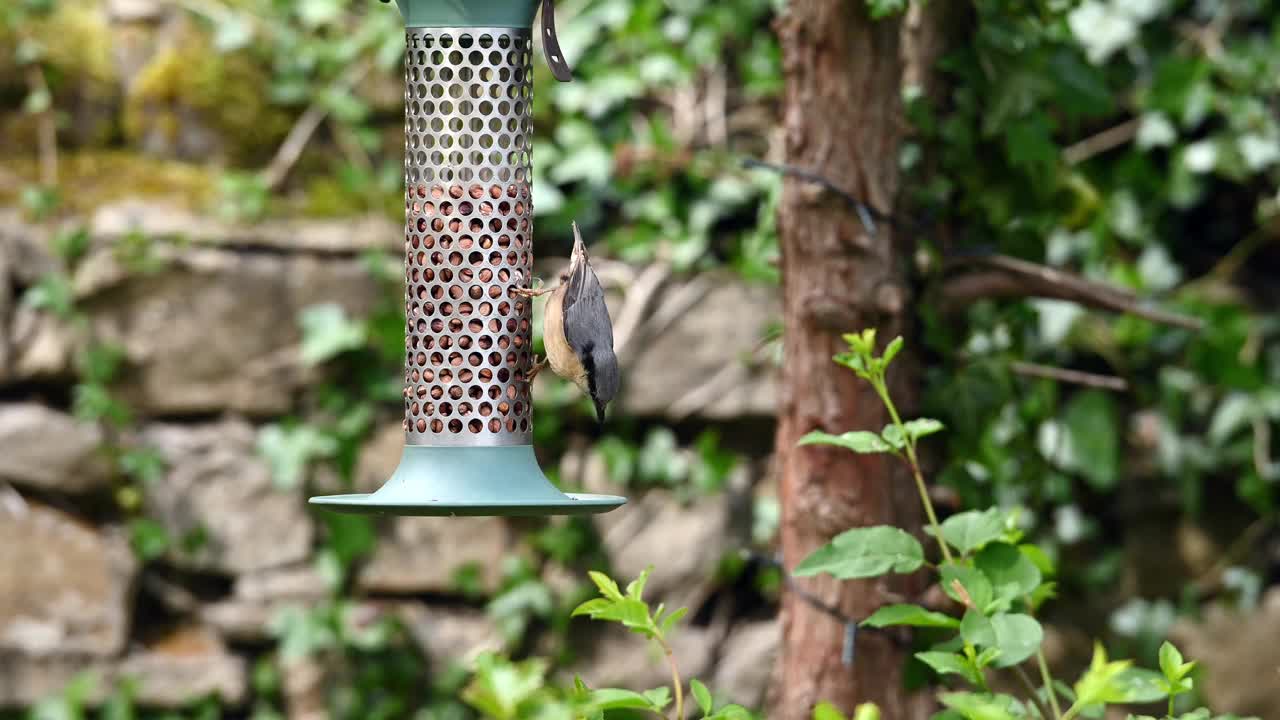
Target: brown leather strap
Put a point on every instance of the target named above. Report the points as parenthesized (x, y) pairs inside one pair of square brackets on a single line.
[(551, 46)]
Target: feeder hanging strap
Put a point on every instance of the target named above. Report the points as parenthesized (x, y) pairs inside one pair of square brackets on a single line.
[(551, 46)]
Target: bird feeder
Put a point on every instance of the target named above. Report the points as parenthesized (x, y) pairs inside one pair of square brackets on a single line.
[(468, 247)]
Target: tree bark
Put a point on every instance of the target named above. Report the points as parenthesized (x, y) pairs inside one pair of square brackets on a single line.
[(843, 121)]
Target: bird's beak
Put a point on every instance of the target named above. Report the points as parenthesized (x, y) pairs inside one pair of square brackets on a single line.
[(579, 254)]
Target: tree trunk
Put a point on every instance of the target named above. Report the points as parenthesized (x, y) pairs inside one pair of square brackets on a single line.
[(843, 121)]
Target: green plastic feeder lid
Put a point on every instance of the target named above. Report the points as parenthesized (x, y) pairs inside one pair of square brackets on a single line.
[(468, 13), (490, 480)]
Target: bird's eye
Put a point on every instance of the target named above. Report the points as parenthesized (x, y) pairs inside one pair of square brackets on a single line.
[(564, 277)]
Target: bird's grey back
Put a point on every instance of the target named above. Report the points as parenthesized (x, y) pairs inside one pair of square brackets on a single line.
[(590, 332)]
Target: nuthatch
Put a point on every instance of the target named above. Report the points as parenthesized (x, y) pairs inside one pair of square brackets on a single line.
[(577, 332)]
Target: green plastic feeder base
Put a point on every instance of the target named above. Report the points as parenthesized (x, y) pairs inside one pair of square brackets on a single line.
[(468, 13), (502, 480)]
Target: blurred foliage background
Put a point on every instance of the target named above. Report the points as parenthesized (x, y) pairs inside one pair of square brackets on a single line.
[(1135, 142)]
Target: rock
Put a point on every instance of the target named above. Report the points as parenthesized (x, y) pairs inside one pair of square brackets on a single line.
[(646, 534), (50, 450), (419, 555), (42, 347), (622, 659), (714, 324), (65, 587), (134, 10), (1239, 655), (744, 672), (257, 598), (379, 458), (345, 236), (218, 487), (185, 665), (216, 329), (448, 636)]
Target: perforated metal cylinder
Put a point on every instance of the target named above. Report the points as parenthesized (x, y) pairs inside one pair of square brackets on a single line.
[(468, 236)]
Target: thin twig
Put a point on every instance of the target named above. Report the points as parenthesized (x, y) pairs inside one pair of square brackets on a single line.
[(296, 141), (1031, 689), (1005, 276), (1074, 377), (1108, 139), (675, 678)]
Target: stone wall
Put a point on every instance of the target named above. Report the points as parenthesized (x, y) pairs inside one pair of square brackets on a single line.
[(210, 341)]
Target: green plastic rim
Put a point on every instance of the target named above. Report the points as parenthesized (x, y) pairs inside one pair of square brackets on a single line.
[(437, 481), (468, 13)]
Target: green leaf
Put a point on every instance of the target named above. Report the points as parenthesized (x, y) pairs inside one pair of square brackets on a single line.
[(859, 441), (977, 629), (865, 552), (977, 706), (1011, 573), (912, 615), (884, 8), (1139, 685), (607, 586), (971, 530), (290, 450), (1087, 439), (977, 588), (658, 698), (591, 607), (701, 695), (945, 663), (635, 588), (149, 538), (665, 624), (920, 427), (1101, 683), (866, 711), (827, 711), (1018, 637), (891, 350), (327, 333), (1172, 664), (618, 699)]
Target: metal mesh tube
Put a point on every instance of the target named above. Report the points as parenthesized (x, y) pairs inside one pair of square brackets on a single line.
[(468, 236)]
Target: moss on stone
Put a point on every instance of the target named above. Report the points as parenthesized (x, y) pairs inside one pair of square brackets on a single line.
[(92, 179), (191, 82)]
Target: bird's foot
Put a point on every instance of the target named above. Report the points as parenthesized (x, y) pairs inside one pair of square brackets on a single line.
[(531, 291), (535, 369)]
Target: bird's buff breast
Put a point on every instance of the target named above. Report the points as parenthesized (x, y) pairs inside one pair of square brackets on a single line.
[(561, 357)]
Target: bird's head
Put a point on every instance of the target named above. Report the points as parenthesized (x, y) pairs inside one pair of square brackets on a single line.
[(578, 260)]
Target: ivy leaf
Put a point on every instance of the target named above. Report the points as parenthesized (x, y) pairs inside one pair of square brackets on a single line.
[(289, 450), (859, 441), (327, 332), (971, 530), (912, 615), (701, 695), (865, 552)]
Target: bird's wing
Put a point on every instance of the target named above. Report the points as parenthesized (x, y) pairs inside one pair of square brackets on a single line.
[(586, 317)]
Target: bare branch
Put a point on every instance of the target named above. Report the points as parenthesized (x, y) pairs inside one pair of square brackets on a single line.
[(1006, 276), (296, 141), (1097, 144), (1074, 377)]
